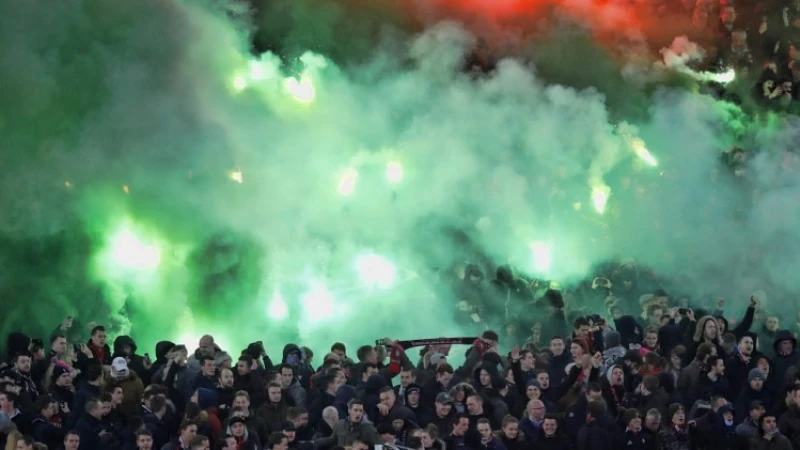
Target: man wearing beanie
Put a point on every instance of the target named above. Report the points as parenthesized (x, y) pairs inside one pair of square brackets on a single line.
[(632, 436), (753, 392)]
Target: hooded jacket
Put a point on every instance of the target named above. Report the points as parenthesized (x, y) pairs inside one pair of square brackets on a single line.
[(782, 363), (135, 362)]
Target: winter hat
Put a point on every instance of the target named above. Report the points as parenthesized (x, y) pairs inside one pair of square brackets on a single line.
[(288, 425), (755, 373), (630, 414), (444, 398), (534, 382), (385, 428), (206, 398), (119, 368), (674, 408), (5, 423), (612, 339), (236, 419), (437, 358), (60, 369)]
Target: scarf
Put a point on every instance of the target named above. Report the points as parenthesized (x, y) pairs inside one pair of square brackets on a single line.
[(771, 434), (99, 353), (396, 358), (680, 429)]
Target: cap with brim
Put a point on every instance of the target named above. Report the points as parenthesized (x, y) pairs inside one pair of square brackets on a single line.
[(444, 398)]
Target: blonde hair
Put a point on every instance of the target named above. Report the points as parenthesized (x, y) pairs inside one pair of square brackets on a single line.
[(11, 441)]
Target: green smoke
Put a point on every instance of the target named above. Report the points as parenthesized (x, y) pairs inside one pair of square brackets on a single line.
[(162, 178)]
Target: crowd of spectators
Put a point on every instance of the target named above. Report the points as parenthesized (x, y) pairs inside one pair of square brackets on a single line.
[(647, 372)]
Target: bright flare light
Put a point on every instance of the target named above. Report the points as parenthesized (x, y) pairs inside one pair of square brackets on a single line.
[(240, 83), (375, 271), (318, 303), (600, 195), (130, 252), (303, 90), (542, 256), (347, 184), (277, 308), (641, 151), (237, 176), (394, 172), (724, 77)]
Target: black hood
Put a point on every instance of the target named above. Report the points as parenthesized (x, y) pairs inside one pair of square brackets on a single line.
[(629, 329), (162, 348), (17, 342), (120, 342), (784, 335), (291, 348)]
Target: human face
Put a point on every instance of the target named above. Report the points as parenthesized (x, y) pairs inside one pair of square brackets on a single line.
[(64, 380), (117, 396), (485, 378), (371, 357), (427, 440), (72, 442), (511, 430), (728, 15), (406, 378), (370, 371), (242, 402), (413, 397), (772, 324), (635, 423), (443, 409), (209, 368), (237, 429), (535, 409), (557, 347), (460, 428), (655, 318), (533, 393), (59, 345), (576, 351), (189, 433), (388, 398), (485, 430), (206, 346), (5, 405), (550, 426), (105, 408), (226, 378), (24, 364), (274, 394), (769, 424), (287, 376), (720, 367), (99, 338), (444, 378), (710, 329), (617, 376), (652, 423), (679, 418), (473, 406), (544, 380), (144, 442), (785, 346), (527, 362), (675, 360), (356, 413), (582, 331), (763, 365), (242, 367), (651, 340)]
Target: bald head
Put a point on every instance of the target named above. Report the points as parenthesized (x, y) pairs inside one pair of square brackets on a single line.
[(536, 409), (330, 415), (207, 346)]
